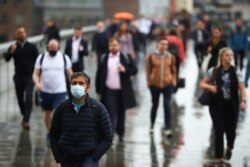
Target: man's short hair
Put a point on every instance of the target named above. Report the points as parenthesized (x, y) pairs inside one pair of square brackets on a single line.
[(162, 39), (20, 26), (77, 28), (114, 39), (80, 74)]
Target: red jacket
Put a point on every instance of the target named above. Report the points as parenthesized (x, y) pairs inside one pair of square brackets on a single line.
[(179, 43)]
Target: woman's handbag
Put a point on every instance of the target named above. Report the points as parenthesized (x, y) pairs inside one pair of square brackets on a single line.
[(205, 97)]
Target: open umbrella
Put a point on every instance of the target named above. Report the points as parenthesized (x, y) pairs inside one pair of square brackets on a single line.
[(124, 16)]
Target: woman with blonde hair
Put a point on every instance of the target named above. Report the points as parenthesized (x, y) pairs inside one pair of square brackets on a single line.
[(225, 101)]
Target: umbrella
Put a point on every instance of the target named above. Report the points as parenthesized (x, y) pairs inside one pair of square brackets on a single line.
[(123, 16)]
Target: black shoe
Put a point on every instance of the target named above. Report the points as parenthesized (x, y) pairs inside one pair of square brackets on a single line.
[(228, 154), (121, 139)]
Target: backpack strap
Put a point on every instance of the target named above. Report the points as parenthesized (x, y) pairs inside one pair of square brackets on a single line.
[(95, 111), (65, 62), (41, 62), (97, 117)]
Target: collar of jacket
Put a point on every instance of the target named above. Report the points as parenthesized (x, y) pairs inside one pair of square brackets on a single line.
[(86, 104), (157, 52)]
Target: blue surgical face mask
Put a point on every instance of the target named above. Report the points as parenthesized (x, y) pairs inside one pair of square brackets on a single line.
[(77, 91)]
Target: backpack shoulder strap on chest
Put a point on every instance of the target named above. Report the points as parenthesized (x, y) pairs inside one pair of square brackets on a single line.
[(65, 62), (41, 62), (95, 110)]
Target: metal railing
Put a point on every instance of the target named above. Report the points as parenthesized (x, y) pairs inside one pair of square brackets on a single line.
[(8, 104)]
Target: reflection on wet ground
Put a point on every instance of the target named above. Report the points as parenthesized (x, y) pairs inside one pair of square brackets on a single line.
[(190, 146)]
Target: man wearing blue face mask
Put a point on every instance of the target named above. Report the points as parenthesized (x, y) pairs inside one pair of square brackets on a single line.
[(81, 130), (50, 79)]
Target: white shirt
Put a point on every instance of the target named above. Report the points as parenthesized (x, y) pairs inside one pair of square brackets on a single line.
[(75, 49), (113, 77), (53, 72), (144, 25), (199, 36)]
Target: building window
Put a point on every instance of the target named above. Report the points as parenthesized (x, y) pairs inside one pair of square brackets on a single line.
[(3, 19), (3, 38), (19, 19), (17, 2), (3, 1)]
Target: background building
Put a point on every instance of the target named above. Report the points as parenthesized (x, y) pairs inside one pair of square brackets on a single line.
[(18, 12), (155, 8)]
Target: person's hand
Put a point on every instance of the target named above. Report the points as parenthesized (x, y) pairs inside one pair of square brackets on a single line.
[(242, 105), (121, 68), (213, 89), (209, 49), (38, 86), (13, 48), (174, 83), (81, 47)]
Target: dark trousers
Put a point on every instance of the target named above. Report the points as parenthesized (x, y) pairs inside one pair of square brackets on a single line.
[(77, 67), (89, 162), (167, 94), (114, 103), (239, 55), (224, 120), (199, 52), (24, 90)]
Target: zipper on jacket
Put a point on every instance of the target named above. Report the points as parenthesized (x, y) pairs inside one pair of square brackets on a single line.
[(161, 73)]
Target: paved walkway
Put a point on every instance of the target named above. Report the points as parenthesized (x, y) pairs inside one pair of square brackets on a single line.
[(190, 145)]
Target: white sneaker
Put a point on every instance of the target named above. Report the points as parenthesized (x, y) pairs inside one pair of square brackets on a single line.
[(167, 133)]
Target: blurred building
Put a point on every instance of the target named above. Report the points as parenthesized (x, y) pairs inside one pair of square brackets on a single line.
[(227, 8), (15, 13), (186, 4), (68, 13), (155, 8)]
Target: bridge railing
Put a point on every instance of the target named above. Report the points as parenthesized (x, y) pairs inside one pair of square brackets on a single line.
[(8, 104)]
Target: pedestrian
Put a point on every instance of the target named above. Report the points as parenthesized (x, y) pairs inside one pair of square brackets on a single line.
[(161, 78), (225, 104), (114, 85), (81, 130), (51, 31), (137, 42), (24, 54), (50, 79), (100, 41), (238, 42), (207, 23), (200, 37), (126, 40), (76, 48), (215, 43), (176, 47)]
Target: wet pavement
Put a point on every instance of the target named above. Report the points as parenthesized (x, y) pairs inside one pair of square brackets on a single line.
[(190, 146)]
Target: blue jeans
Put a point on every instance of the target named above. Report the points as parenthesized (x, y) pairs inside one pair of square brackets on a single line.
[(167, 94), (89, 162)]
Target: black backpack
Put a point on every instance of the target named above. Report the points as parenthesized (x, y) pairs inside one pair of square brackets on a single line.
[(173, 49)]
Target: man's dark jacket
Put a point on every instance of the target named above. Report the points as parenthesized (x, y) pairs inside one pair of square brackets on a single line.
[(79, 66), (74, 135), (24, 58), (128, 96)]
